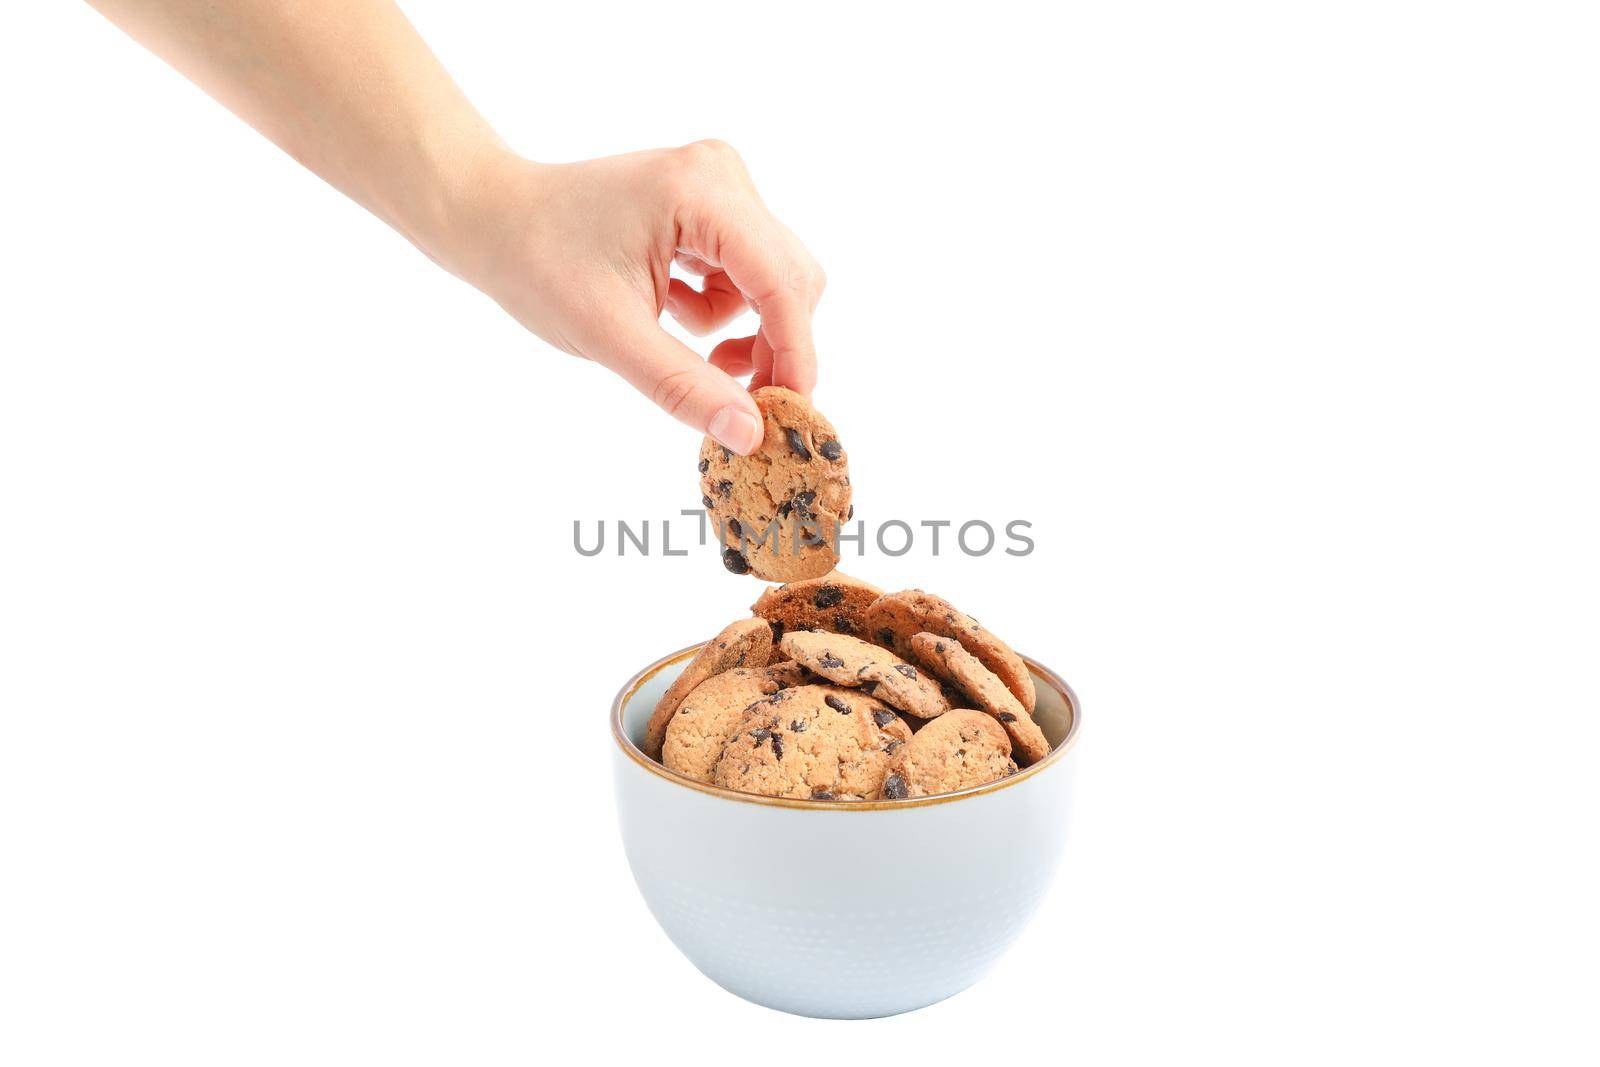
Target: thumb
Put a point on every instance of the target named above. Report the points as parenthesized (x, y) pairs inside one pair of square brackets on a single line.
[(686, 387)]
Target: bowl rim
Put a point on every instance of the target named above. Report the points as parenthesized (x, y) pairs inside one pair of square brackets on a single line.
[(633, 752)]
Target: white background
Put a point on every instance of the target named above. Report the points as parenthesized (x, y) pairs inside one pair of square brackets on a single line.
[(1279, 324)]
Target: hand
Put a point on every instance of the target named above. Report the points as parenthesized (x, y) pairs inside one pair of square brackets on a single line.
[(580, 253)]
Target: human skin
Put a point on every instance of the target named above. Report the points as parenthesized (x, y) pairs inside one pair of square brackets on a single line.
[(579, 253)]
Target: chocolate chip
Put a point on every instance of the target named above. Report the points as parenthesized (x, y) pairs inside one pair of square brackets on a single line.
[(836, 704), (734, 560), (784, 508), (777, 630), (706, 501), (883, 718), (724, 487), (760, 735), (906, 669), (869, 687), (850, 514), (894, 788), (821, 794), (1006, 716), (828, 596), (799, 726), (705, 465), (885, 637), (803, 504), (938, 646), (797, 443), (830, 450), (892, 747), (845, 624), (777, 746), (829, 661), (734, 528)]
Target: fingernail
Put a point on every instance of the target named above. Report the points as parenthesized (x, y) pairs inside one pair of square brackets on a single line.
[(736, 429)]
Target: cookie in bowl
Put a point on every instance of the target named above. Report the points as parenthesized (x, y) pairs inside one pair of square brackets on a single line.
[(849, 661), (811, 742), (708, 717), (834, 602), (981, 688), (746, 642), (893, 620), (958, 750)]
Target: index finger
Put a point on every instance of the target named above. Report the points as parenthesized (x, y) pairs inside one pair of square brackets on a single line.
[(786, 333), (784, 283)]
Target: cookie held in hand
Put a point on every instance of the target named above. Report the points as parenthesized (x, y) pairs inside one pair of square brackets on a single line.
[(778, 510)]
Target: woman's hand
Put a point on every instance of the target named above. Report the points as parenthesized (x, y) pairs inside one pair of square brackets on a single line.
[(579, 253)]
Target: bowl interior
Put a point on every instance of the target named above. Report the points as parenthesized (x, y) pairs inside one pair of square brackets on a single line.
[(1054, 713)]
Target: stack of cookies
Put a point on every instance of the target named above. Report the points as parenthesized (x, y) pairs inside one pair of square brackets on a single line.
[(836, 691), (832, 690)]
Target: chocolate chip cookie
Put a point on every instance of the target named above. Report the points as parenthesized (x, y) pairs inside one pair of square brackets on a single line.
[(834, 602), (893, 620), (778, 510), (814, 742), (708, 716), (945, 658), (849, 661), (747, 642), (958, 750)]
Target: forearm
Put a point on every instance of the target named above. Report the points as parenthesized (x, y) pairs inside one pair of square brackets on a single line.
[(346, 87)]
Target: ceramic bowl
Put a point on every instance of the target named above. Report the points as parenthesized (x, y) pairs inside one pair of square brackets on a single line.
[(841, 910)]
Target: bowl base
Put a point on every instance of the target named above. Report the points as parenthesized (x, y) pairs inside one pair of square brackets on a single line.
[(842, 1011)]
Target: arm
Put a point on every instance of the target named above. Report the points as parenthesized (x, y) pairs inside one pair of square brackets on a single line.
[(578, 253)]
